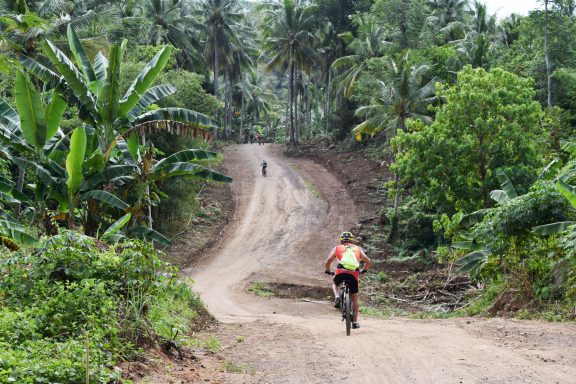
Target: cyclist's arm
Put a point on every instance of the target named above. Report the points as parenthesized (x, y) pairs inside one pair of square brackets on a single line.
[(329, 260), (365, 259)]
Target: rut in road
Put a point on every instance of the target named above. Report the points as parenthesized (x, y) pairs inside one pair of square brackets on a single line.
[(284, 226)]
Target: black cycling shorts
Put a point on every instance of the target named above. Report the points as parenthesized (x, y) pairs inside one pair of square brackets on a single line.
[(352, 282)]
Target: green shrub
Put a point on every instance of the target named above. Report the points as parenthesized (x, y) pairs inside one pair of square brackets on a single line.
[(123, 296)]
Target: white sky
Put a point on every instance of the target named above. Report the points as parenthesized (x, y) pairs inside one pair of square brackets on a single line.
[(505, 7)]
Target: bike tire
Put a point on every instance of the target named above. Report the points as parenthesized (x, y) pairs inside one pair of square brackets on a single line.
[(348, 312)]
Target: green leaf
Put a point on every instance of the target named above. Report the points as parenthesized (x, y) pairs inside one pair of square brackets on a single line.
[(73, 77), (144, 80), (54, 114), (116, 226), (473, 218), (506, 184), (101, 67), (8, 116), (553, 228), (80, 54), (75, 159), (133, 145), (150, 235), (13, 192), (568, 191), (468, 245), (16, 232), (108, 101), (30, 110), (107, 198), (48, 77), (473, 261), (499, 196), (177, 114), (184, 156), (189, 169), (151, 96)]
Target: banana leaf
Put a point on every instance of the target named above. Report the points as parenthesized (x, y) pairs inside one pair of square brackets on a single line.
[(75, 159), (189, 169), (568, 191), (107, 198), (116, 226), (72, 75), (155, 93), (177, 114), (9, 117), (144, 80), (80, 54), (108, 103), (145, 233), (16, 232), (473, 261), (185, 156), (31, 111), (553, 228)]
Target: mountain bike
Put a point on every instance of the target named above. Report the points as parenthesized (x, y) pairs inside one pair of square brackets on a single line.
[(345, 304), (264, 171)]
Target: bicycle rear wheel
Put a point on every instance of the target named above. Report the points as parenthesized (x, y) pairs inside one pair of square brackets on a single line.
[(347, 305)]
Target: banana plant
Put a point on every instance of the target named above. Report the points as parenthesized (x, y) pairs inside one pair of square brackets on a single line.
[(94, 87)]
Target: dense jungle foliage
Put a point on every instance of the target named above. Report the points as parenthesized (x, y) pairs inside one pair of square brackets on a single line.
[(107, 109)]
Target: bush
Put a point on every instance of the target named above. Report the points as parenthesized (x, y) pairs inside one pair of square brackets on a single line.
[(52, 296)]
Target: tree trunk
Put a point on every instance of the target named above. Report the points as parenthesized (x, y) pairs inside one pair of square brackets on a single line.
[(291, 99), (216, 63), (241, 133), (295, 105), (547, 56), (327, 101), (308, 107), (394, 222)]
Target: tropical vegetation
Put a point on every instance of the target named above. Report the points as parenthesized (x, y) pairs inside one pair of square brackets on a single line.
[(110, 111)]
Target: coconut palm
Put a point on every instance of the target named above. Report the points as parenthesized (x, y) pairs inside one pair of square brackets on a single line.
[(288, 44), (367, 45), (171, 23), (403, 94), (219, 21)]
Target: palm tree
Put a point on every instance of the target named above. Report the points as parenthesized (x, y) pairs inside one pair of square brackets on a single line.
[(368, 44), (402, 95), (288, 43), (219, 20), (448, 17), (170, 24), (329, 47)]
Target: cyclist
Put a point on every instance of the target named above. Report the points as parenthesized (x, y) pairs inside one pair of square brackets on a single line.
[(259, 138), (348, 269), (264, 166)]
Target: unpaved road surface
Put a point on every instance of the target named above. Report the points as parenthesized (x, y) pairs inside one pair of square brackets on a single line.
[(285, 224)]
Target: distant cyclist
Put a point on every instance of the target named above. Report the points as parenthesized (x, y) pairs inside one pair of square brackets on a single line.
[(348, 269), (264, 166), (259, 138)]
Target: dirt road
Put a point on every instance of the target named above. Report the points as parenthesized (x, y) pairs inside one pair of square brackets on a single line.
[(284, 226)]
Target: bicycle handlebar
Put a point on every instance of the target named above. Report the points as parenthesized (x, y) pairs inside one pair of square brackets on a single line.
[(332, 272)]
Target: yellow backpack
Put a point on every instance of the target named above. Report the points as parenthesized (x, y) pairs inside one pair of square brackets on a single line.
[(349, 260)]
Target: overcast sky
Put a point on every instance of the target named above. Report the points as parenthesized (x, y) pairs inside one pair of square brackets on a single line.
[(505, 7)]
